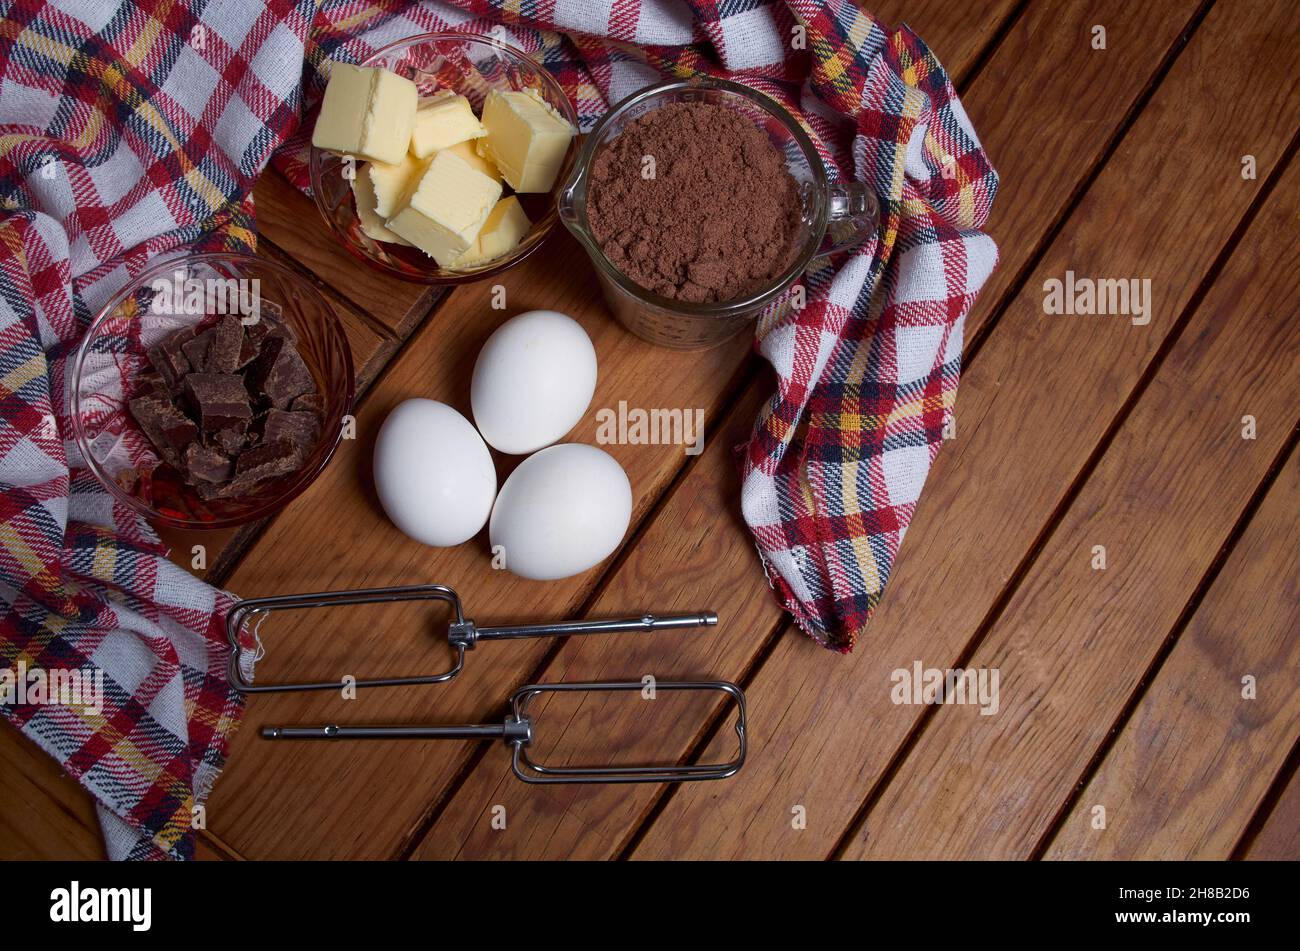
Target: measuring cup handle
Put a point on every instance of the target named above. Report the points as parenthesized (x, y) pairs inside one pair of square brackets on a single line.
[(853, 214)]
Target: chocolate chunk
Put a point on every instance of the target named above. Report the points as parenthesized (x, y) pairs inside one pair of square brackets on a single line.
[(281, 374), (309, 402), (250, 347), (301, 429), (151, 384), (204, 464), (273, 458), (219, 400), (268, 325), (196, 350), (227, 346), (167, 427), (258, 411), (254, 467), (231, 440), (169, 359)]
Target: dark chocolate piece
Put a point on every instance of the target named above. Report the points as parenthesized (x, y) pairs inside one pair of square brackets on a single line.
[(204, 464), (281, 374), (219, 400), (196, 350), (254, 467), (301, 429), (231, 440), (309, 402), (167, 427), (227, 346), (251, 346), (268, 461), (151, 384), (169, 359)]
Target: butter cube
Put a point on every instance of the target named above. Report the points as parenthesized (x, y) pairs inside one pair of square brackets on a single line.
[(391, 182), (504, 229), (467, 151), (526, 139), (442, 122), (371, 222), (366, 112), (443, 214)]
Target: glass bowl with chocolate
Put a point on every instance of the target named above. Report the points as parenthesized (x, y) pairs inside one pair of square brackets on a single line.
[(212, 390), (438, 158), (701, 202)]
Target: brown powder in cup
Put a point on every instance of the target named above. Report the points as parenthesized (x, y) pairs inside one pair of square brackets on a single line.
[(694, 202)]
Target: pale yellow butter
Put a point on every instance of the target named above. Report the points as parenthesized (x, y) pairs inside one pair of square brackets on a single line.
[(442, 122), (470, 154), (526, 139), (371, 222), (443, 213), (366, 112), (391, 182), (505, 227)]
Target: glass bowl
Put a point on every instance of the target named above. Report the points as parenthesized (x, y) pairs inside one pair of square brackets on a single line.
[(471, 66), (113, 356), (835, 216)]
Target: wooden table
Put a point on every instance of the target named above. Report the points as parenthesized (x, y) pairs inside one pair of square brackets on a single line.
[(1147, 708)]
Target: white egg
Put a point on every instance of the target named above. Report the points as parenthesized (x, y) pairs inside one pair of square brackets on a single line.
[(433, 473), (564, 510), (533, 380)]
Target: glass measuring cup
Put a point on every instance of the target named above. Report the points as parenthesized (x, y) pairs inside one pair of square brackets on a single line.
[(834, 216)]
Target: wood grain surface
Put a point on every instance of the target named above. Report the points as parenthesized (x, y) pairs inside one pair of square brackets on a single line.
[(1204, 743), (1118, 687), (1022, 440), (1075, 640)]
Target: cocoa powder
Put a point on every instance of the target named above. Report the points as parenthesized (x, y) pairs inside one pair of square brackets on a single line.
[(694, 202)]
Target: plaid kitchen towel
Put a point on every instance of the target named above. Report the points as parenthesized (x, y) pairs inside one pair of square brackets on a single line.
[(126, 131), (134, 129)]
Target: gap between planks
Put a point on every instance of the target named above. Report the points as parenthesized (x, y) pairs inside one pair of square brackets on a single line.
[(1267, 815)]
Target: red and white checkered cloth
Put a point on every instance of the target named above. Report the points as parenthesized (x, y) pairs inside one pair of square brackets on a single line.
[(131, 129)]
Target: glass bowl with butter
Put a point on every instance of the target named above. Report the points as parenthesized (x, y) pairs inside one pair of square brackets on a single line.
[(439, 159)]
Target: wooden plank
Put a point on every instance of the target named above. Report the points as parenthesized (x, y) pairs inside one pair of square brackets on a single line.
[(956, 33), (593, 822), (1024, 95), (824, 727), (1279, 838), (1192, 764), (288, 799), (1074, 641), (45, 814), (290, 221)]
